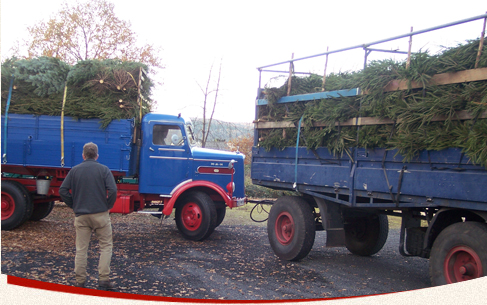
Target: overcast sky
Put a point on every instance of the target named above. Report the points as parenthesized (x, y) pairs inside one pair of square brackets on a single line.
[(245, 35)]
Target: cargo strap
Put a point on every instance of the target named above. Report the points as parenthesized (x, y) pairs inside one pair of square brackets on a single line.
[(394, 198), (62, 125), (296, 158), (4, 157)]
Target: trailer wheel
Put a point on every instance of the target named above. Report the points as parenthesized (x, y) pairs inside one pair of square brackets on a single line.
[(366, 236), (41, 210), (291, 228), (196, 216), (459, 253), (16, 205)]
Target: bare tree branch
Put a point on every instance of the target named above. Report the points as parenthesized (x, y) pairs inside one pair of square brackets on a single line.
[(214, 103), (206, 93)]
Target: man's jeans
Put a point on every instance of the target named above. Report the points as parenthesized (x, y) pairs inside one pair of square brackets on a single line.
[(86, 224)]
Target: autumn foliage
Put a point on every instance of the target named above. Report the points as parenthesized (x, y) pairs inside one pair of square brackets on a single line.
[(244, 145), (86, 31)]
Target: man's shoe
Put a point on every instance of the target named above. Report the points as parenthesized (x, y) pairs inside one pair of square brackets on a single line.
[(107, 285), (80, 285)]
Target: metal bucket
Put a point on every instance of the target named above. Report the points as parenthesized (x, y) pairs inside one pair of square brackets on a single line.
[(43, 186)]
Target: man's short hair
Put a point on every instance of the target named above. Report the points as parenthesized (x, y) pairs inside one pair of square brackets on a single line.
[(90, 150)]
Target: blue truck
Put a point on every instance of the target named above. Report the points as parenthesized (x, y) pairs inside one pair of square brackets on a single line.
[(439, 195), (156, 164)]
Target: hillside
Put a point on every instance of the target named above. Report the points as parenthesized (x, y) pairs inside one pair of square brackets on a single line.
[(221, 132)]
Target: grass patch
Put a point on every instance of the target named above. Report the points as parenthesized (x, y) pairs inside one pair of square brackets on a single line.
[(242, 215), (394, 222)]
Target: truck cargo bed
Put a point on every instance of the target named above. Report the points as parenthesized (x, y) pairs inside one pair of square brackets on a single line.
[(35, 141)]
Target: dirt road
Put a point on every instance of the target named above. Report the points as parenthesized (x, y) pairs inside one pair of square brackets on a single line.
[(235, 263)]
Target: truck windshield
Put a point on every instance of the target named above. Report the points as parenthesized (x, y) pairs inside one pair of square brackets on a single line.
[(190, 134)]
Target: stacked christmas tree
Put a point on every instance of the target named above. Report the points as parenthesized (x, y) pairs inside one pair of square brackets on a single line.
[(104, 89), (411, 109)]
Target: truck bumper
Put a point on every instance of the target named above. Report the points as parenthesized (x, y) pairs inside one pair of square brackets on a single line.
[(238, 202)]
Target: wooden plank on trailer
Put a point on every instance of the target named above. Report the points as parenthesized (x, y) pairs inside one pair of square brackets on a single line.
[(366, 121), (273, 125), (441, 79)]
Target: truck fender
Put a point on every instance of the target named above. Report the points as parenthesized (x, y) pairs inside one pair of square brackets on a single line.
[(446, 217), (195, 184)]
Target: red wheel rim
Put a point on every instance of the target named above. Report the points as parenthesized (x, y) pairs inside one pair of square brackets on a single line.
[(284, 228), (191, 216), (8, 206), (462, 264)]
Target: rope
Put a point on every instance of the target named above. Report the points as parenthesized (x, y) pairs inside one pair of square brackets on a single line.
[(62, 124), (296, 158)]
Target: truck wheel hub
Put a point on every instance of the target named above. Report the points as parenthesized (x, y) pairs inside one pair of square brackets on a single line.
[(191, 216), (467, 269), (8, 206), (284, 228), (462, 264)]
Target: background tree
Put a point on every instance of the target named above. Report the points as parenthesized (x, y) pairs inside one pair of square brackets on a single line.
[(244, 145), (88, 30), (206, 93)]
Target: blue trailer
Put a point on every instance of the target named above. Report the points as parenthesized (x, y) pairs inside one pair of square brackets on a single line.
[(439, 195), (156, 164)]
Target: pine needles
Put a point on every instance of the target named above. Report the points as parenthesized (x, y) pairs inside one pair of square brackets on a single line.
[(414, 111), (104, 89)]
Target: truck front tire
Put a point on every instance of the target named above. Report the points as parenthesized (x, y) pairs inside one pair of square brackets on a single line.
[(17, 205), (220, 215), (196, 216), (459, 253), (365, 236), (291, 228)]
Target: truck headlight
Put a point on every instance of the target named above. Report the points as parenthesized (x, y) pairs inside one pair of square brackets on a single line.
[(231, 187)]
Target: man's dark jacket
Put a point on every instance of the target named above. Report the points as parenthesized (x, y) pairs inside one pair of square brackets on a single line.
[(93, 188)]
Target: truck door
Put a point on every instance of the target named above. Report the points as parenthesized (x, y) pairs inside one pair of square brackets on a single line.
[(167, 161)]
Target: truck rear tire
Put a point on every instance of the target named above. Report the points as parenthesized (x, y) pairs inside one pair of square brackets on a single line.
[(365, 236), (220, 215), (41, 210), (16, 205), (291, 228), (196, 216), (459, 253)]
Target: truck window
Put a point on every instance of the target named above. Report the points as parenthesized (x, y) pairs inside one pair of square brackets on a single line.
[(167, 135)]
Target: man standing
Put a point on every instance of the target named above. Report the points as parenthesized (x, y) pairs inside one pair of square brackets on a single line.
[(93, 194)]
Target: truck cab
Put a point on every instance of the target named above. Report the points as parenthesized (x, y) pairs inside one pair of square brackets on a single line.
[(198, 183), (170, 158)]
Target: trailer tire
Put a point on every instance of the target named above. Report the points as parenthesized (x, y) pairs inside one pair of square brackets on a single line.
[(291, 228), (16, 205), (196, 216), (365, 236), (459, 253), (41, 210)]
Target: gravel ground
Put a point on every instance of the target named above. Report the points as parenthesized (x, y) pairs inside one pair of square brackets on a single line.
[(235, 263)]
